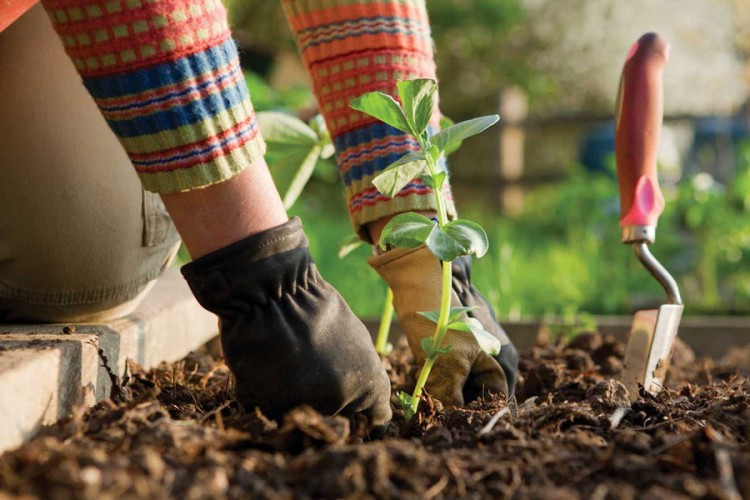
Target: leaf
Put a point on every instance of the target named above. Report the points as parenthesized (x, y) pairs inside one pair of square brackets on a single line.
[(405, 399), (300, 178), (431, 315), (426, 344), (407, 230), (281, 128), (457, 311), (291, 168), (434, 181), (348, 244), (400, 173), (446, 122), (487, 342), (457, 238), (448, 138), (418, 98), (453, 315), (383, 107), (445, 349)]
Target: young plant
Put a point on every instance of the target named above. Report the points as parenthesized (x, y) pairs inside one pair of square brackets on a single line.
[(447, 240)]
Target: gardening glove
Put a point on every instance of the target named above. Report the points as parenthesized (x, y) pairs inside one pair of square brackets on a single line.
[(465, 372), (287, 335)]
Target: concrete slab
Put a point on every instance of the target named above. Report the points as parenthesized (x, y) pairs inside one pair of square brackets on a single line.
[(46, 370)]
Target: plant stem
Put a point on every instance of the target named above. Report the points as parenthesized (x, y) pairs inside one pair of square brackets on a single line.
[(381, 345), (445, 297)]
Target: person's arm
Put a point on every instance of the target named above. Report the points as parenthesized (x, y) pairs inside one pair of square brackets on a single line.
[(351, 48), (166, 76)]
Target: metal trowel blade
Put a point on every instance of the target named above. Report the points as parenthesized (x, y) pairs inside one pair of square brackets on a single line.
[(650, 347)]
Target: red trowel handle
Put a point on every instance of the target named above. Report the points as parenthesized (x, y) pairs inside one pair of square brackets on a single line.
[(638, 127)]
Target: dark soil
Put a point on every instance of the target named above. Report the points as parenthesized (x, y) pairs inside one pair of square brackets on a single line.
[(176, 432)]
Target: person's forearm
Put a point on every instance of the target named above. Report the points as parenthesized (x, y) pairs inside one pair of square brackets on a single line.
[(166, 76), (211, 218), (351, 49)]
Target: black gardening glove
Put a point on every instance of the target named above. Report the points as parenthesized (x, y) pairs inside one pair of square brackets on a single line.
[(287, 335)]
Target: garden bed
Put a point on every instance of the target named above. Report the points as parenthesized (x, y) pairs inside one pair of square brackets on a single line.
[(175, 431)]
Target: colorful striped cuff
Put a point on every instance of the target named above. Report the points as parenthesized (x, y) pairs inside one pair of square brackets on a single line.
[(167, 79), (352, 47)]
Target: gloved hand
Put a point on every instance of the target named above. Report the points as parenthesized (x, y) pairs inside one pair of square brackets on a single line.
[(466, 371), (287, 335)]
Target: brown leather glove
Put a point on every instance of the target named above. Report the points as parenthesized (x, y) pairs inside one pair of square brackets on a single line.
[(288, 336), (466, 371)]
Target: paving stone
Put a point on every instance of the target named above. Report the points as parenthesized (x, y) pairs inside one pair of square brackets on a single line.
[(46, 370)]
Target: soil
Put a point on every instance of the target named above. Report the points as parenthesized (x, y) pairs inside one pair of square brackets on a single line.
[(176, 432)]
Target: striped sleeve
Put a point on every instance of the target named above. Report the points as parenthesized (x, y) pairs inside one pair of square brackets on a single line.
[(166, 76), (351, 47)]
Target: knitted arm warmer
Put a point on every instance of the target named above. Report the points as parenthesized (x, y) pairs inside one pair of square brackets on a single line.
[(351, 47), (166, 76)]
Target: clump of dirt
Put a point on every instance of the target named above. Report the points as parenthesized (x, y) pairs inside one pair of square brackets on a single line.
[(572, 432)]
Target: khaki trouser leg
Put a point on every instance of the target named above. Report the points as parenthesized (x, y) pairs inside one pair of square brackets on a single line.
[(79, 238)]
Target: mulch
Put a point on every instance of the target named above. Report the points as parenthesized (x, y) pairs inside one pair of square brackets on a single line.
[(572, 432)]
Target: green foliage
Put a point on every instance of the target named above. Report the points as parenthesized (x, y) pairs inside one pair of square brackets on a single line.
[(383, 107), (487, 342), (452, 137), (418, 98), (294, 151), (483, 45), (399, 173), (446, 240), (267, 99), (562, 258), (408, 230), (457, 238)]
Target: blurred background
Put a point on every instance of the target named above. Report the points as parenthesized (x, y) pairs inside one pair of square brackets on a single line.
[(543, 182)]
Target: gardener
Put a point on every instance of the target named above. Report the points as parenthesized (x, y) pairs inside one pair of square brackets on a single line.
[(80, 241)]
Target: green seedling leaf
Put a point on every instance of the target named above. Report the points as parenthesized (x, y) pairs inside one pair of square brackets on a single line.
[(426, 344), (400, 173), (429, 351), (446, 122), (457, 311), (431, 315), (318, 124), (487, 342), (418, 98), (453, 315), (300, 178), (291, 168), (283, 129), (434, 181), (445, 349), (407, 230), (348, 245), (406, 402), (434, 153), (453, 135), (383, 107), (456, 238)]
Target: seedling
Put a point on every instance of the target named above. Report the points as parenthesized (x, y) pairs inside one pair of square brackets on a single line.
[(447, 240)]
